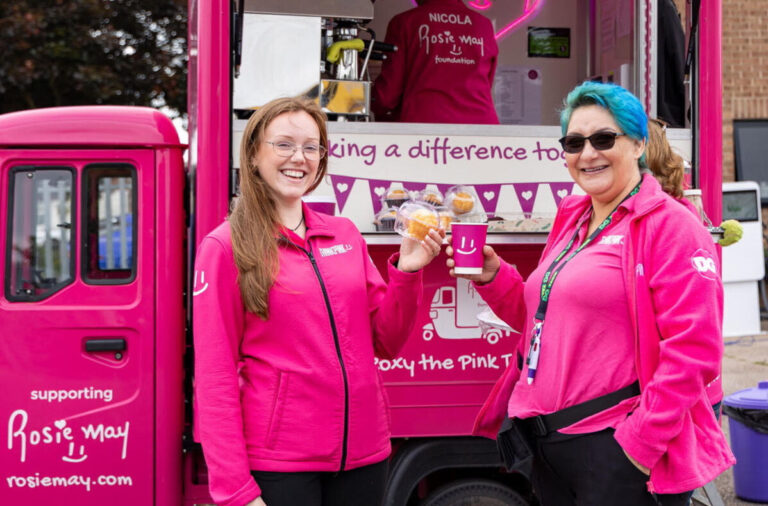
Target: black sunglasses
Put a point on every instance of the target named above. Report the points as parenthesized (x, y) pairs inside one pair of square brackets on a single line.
[(599, 140)]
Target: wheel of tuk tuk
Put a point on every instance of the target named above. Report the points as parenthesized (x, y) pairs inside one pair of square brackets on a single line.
[(474, 492)]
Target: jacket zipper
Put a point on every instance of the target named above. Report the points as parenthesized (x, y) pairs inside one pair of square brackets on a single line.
[(338, 353)]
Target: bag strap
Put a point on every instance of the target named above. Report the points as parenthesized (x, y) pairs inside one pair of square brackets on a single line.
[(544, 424)]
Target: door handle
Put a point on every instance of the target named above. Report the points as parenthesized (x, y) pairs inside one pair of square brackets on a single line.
[(105, 345)]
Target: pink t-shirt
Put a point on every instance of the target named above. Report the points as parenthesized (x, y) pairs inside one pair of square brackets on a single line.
[(582, 356)]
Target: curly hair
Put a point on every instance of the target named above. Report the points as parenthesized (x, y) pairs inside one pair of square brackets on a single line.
[(667, 166)]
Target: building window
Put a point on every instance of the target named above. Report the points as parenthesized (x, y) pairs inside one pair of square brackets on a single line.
[(39, 258)]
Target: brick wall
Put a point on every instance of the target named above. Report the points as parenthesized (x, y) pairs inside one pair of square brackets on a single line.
[(745, 69)]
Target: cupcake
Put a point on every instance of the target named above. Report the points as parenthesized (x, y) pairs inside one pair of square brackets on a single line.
[(416, 219), (395, 197), (433, 197), (461, 200), (445, 217), (385, 220), (421, 222)]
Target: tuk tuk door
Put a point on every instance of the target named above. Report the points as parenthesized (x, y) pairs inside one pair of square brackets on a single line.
[(77, 318)]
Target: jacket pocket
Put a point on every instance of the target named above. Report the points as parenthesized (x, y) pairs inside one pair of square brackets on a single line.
[(278, 404)]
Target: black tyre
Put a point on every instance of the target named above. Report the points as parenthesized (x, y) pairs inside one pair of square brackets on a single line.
[(474, 492)]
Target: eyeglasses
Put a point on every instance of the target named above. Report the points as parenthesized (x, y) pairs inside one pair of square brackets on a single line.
[(287, 149), (599, 140)]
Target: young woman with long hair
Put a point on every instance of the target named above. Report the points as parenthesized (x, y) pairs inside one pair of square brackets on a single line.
[(289, 403)]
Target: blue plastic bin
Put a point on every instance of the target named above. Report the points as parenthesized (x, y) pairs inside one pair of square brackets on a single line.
[(747, 412)]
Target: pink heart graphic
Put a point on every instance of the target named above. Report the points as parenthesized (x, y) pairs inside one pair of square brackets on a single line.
[(530, 9), (489, 195), (527, 195), (480, 4), (342, 187)]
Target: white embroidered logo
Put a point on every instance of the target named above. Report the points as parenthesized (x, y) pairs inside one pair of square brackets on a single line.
[(611, 239), (335, 250), (704, 264), (639, 271), (199, 288)]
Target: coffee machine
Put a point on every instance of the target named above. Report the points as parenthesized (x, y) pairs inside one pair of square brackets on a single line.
[(317, 49)]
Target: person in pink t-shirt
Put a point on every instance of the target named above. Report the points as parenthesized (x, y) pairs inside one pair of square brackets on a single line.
[(443, 69), (608, 400)]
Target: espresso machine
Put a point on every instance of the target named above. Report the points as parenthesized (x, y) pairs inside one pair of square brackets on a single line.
[(317, 49)]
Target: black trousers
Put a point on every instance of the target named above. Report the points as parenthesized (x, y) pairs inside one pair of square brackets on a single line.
[(363, 486), (591, 470)]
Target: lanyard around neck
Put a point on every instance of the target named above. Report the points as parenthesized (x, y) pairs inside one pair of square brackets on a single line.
[(554, 269)]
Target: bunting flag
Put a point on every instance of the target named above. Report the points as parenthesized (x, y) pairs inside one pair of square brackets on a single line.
[(487, 193), (489, 196), (342, 187), (414, 187), (444, 188), (526, 194), (560, 191), (378, 188)]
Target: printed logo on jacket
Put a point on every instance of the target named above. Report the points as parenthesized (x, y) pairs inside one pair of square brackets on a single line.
[(705, 264), (336, 249)]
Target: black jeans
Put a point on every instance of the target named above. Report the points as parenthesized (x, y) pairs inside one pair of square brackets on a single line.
[(591, 470), (363, 486)]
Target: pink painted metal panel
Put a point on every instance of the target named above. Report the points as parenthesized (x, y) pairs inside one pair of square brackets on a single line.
[(87, 126), (711, 111), (445, 371), (80, 424), (212, 137), (170, 259)]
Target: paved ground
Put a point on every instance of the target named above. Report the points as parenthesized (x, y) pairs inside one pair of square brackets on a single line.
[(744, 365)]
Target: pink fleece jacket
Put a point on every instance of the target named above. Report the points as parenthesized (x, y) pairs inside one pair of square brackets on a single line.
[(444, 68), (298, 391), (675, 299)]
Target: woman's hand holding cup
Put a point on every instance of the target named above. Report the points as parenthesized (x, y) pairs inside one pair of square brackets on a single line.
[(491, 265)]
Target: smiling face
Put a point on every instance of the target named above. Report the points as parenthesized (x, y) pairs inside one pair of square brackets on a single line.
[(466, 246), (607, 175), (289, 178)]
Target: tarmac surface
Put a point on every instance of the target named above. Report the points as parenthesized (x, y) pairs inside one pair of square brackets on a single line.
[(745, 363)]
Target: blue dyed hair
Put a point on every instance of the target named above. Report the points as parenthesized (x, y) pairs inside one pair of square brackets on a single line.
[(625, 108)]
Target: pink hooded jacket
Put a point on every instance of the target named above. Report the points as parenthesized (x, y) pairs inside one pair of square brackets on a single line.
[(298, 391), (676, 304)]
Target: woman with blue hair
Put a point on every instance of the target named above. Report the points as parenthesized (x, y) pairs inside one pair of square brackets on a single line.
[(606, 403)]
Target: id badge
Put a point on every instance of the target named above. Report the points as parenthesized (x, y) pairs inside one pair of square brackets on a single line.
[(534, 351)]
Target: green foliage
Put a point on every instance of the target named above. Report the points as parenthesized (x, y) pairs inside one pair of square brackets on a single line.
[(75, 52)]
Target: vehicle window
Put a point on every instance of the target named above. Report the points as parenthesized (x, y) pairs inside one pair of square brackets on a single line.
[(39, 258), (110, 213)]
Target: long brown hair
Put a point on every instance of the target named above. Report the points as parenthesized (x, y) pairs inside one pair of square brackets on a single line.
[(254, 221), (667, 166)]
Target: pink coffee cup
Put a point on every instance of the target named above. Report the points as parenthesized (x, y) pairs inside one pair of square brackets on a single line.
[(321, 203), (468, 240)]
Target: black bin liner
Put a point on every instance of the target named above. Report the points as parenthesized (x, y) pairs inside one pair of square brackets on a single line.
[(755, 419)]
